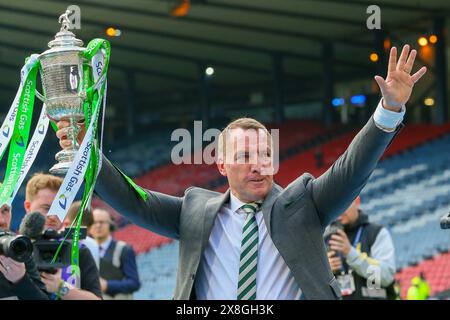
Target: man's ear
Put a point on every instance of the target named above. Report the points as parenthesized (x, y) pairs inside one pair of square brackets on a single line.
[(27, 205), (221, 167)]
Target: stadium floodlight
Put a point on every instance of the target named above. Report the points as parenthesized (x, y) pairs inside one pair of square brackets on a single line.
[(359, 100), (113, 32), (433, 39), (422, 41), (373, 57), (429, 102), (337, 102), (209, 71)]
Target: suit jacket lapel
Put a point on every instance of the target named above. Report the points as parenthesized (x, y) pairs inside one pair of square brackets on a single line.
[(268, 204), (212, 207)]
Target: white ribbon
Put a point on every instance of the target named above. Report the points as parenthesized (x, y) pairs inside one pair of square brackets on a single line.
[(32, 150), (74, 177)]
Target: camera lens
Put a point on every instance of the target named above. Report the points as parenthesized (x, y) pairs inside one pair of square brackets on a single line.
[(20, 248)]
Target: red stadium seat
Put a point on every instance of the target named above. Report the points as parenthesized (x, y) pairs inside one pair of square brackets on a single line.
[(436, 271)]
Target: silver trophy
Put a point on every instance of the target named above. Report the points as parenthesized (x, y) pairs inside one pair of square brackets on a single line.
[(63, 88)]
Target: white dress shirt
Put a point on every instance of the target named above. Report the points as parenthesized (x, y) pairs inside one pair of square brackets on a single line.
[(218, 272), (104, 246)]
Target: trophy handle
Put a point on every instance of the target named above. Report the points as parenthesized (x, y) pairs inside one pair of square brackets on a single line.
[(40, 96)]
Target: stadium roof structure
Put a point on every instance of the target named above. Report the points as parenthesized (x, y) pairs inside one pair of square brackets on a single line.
[(241, 39)]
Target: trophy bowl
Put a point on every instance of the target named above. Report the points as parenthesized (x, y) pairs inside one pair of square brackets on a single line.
[(63, 88)]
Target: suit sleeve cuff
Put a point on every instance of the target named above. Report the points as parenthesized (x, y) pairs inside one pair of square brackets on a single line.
[(388, 120)]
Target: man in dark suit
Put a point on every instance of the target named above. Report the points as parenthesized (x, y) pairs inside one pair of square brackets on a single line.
[(258, 240)]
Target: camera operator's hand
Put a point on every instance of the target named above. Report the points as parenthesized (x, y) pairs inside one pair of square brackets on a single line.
[(335, 261), (61, 134), (52, 281), (12, 270), (339, 242)]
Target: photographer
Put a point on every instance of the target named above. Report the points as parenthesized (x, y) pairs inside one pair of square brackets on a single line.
[(41, 189), (362, 256), (18, 280)]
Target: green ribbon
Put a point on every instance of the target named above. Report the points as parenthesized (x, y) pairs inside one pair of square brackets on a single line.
[(92, 109), (91, 106), (91, 175), (19, 141), (140, 191)]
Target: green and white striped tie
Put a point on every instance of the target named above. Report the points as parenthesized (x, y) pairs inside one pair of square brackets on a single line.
[(249, 254)]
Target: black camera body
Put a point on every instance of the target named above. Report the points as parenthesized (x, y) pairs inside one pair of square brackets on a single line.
[(18, 248), (46, 246)]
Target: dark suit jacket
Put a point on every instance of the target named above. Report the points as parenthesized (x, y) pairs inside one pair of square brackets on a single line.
[(295, 216)]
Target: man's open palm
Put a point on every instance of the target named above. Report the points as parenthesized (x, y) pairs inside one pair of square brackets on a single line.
[(397, 87)]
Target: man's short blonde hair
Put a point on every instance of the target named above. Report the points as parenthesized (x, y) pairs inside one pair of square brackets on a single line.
[(241, 123), (40, 181)]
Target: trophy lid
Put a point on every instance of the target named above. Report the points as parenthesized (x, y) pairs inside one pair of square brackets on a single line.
[(65, 39)]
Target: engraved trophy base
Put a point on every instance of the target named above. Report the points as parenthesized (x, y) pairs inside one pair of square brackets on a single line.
[(64, 158)]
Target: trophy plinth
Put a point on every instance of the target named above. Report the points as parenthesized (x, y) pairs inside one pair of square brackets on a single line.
[(62, 81), (65, 160)]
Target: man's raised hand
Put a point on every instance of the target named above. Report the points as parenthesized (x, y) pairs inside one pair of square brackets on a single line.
[(397, 87)]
